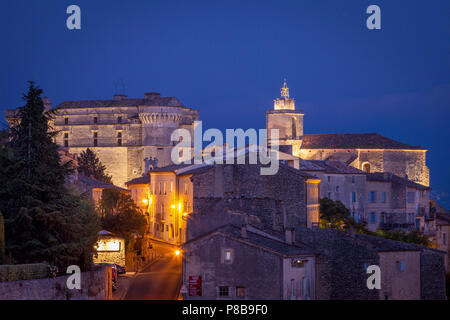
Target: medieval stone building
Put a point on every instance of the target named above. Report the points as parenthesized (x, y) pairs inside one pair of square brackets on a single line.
[(369, 152), (129, 135)]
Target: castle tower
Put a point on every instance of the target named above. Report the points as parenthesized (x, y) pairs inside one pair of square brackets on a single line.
[(288, 121)]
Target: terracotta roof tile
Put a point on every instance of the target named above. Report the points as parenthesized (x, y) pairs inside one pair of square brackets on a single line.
[(353, 141)]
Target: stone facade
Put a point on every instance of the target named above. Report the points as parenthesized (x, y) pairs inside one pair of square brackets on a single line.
[(339, 182), (272, 201), (394, 202), (260, 266), (408, 271), (401, 162)]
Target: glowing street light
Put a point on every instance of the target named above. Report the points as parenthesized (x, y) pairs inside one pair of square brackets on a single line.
[(177, 252), (145, 201)]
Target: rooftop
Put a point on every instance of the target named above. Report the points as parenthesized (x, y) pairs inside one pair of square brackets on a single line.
[(150, 99), (94, 183), (389, 177), (353, 141), (328, 167), (260, 240)]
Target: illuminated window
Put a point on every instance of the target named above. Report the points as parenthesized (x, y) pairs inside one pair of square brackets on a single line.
[(185, 188), (227, 256), (223, 291)]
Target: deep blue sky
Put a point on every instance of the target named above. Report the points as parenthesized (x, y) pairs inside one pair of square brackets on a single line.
[(228, 59)]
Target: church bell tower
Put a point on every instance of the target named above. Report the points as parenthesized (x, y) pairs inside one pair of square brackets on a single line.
[(288, 121)]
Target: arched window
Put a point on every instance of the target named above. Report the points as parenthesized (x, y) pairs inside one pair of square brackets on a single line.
[(366, 167)]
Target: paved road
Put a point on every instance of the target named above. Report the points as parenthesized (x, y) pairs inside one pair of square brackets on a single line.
[(159, 281)]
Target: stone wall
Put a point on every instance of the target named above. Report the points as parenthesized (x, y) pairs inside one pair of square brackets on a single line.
[(95, 285), (228, 193), (411, 163), (432, 275), (259, 271), (396, 284), (340, 265)]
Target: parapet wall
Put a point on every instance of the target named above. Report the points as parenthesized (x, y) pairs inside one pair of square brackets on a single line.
[(95, 285)]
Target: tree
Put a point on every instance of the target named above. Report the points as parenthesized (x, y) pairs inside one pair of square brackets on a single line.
[(120, 215), (2, 239), (90, 165), (43, 220), (4, 136), (400, 235), (333, 214)]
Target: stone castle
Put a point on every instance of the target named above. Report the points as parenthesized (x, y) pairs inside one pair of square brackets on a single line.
[(128, 135)]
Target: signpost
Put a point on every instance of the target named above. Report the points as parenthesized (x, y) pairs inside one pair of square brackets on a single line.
[(195, 286)]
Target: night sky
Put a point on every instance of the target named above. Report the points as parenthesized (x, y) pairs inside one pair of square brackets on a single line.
[(228, 59)]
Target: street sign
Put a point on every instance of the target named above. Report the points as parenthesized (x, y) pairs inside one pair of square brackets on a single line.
[(195, 286)]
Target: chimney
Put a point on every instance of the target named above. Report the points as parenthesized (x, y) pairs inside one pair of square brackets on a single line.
[(244, 231), (118, 97), (151, 95), (47, 103), (288, 233)]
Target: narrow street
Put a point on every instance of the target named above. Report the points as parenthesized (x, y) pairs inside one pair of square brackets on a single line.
[(159, 281)]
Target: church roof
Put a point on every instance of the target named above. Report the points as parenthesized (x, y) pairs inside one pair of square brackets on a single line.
[(328, 167), (353, 141), (145, 179)]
